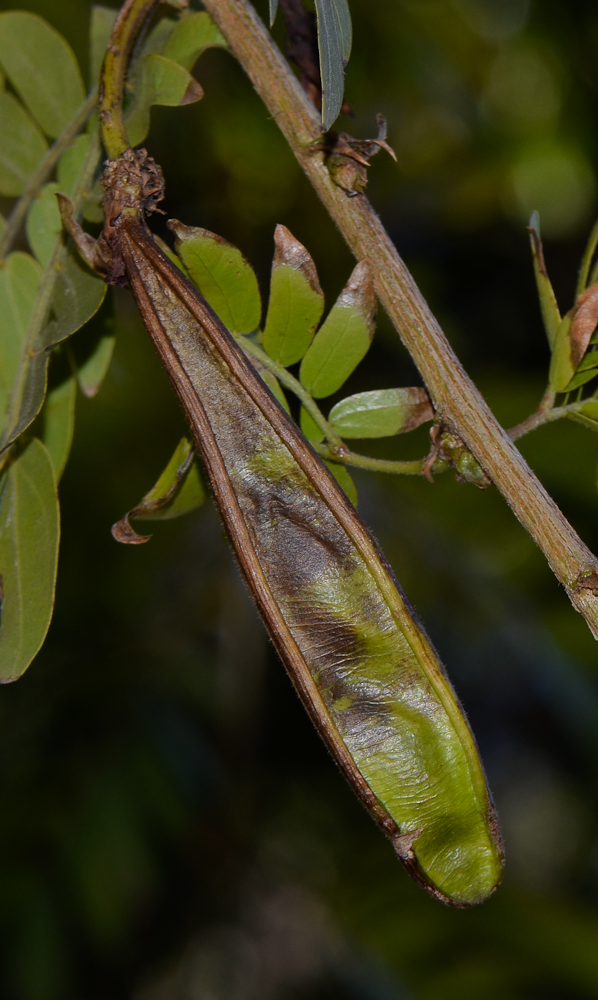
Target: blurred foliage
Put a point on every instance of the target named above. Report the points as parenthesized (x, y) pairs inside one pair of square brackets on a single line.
[(171, 826)]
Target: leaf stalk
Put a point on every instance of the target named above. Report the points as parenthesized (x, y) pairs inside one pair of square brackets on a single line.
[(348, 457)]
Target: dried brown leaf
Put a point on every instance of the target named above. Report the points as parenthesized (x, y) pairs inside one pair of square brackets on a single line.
[(585, 319)]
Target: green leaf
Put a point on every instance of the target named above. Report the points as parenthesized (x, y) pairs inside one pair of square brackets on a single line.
[(334, 41), (100, 29), (22, 146), (222, 275), (29, 535), (309, 426), (43, 223), (78, 295), (580, 378), (158, 81), (72, 163), (344, 479), (548, 304), (178, 491), (273, 9), (158, 37), (344, 338), (562, 369), (296, 300), (58, 421), (381, 413), (275, 388), (589, 361), (191, 36), (92, 373), (42, 68), (92, 208), (19, 281)]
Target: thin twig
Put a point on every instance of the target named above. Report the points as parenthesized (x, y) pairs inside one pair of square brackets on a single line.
[(66, 137), (459, 404)]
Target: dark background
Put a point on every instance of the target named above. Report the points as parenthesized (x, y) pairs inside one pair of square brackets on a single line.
[(171, 827)]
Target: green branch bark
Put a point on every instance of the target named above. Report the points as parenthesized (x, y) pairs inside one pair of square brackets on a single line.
[(458, 403)]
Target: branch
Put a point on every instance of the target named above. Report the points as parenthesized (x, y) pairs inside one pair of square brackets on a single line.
[(459, 405)]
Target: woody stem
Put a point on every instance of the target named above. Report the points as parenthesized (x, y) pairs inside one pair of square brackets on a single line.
[(459, 405)]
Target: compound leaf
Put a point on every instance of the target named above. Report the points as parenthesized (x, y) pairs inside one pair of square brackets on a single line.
[(43, 223), (22, 146), (158, 37), (190, 37), (42, 68), (72, 163), (158, 81), (344, 338), (296, 300), (381, 413), (92, 372), (78, 295), (58, 416), (19, 281), (29, 535), (222, 275), (92, 208)]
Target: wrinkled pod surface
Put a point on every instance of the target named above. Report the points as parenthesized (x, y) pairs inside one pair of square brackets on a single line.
[(358, 657)]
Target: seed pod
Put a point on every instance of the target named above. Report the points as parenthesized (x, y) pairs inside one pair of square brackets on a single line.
[(358, 657)]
